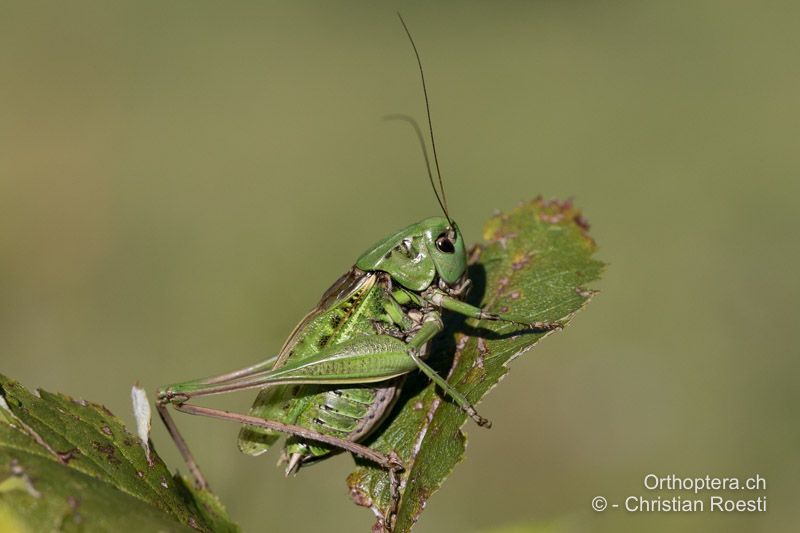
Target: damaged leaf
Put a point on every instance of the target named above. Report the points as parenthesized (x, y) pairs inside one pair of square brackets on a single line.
[(70, 465), (536, 265)]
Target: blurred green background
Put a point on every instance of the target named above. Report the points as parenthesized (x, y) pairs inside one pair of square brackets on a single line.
[(180, 181)]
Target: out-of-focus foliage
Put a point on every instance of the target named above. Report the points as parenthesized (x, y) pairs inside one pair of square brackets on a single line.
[(70, 465)]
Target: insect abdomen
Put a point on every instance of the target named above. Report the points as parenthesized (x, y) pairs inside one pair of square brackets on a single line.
[(349, 413)]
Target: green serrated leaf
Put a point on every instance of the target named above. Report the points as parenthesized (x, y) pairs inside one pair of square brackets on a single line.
[(70, 465), (535, 265)]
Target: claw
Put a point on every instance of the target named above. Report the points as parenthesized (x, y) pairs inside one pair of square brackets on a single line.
[(483, 422), (293, 464), (394, 463), (165, 396)]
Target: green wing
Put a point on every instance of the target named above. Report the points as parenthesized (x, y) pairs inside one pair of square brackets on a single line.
[(311, 334)]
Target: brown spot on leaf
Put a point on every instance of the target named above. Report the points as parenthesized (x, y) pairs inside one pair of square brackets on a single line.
[(555, 211), (422, 501), (583, 293), (424, 429), (73, 503), (69, 455), (107, 431), (108, 450), (476, 374), (551, 218), (515, 295), (564, 205), (360, 497), (503, 239), (483, 348), (520, 260), (72, 516), (483, 351), (461, 343)]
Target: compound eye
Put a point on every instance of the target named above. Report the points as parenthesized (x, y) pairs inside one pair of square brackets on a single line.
[(445, 244)]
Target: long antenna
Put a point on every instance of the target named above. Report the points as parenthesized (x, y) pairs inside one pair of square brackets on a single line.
[(443, 200), (412, 121)]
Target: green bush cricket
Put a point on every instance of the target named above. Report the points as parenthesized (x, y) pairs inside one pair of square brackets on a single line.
[(341, 370)]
